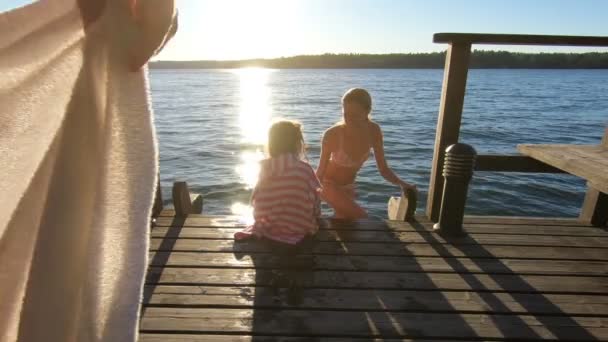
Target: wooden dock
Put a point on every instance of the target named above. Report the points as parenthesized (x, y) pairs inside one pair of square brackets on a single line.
[(510, 278)]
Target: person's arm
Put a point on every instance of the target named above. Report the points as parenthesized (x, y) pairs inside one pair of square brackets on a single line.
[(383, 168), (261, 177), (315, 189), (324, 158)]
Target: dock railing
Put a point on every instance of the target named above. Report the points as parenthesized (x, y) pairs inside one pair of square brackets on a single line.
[(451, 104)]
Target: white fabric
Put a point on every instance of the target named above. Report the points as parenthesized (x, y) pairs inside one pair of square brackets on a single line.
[(78, 166)]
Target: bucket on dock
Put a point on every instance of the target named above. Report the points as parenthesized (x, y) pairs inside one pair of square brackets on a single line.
[(403, 208)]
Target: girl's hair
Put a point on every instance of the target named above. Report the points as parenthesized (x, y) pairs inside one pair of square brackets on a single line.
[(359, 96), (285, 136)]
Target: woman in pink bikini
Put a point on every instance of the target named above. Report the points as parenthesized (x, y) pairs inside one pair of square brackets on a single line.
[(345, 148)]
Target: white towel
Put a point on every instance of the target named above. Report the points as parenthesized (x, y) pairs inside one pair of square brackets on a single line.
[(78, 166)]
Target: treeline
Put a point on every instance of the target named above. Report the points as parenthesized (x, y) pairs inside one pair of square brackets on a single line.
[(480, 59)]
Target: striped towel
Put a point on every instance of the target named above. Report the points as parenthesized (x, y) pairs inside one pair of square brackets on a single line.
[(285, 201)]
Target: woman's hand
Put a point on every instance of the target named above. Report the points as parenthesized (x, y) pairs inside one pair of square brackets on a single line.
[(156, 22), (407, 186)]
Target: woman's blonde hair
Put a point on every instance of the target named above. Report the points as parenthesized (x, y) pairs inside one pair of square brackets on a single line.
[(285, 136), (359, 96)]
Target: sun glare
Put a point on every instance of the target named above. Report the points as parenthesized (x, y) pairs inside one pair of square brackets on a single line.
[(249, 168), (244, 212), (255, 109), (254, 117), (244, 29)]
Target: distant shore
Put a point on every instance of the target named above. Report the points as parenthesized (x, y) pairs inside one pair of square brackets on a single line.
[(434, 60)]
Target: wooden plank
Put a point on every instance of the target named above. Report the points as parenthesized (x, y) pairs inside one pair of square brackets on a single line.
[(396, 227), (529, 227), (586, 161), (159, 337), (376, 324), (523, 220), (533, 229), (168, 215), (231, 221), (384, 264), (382, 249), (167, 212), (399, 237), (200, 221), (192, 338), (382, 280), (514, 229), (378, 300), (595, 205), (572, 156), (594, 153), (595, 158), (506, 163), (157, 207), (519, 39), (448, 123), (595, 208)]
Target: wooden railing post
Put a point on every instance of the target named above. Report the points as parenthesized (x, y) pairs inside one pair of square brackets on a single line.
[(158, 199), (448, 123), (184, 202), (595, 205)]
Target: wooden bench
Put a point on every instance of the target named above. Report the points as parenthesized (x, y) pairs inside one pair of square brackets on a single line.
[(589, 162)]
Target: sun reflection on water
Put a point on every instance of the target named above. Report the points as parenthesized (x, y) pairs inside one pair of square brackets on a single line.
[(249, 168), (255, 111), (243, 211), (254, 116)]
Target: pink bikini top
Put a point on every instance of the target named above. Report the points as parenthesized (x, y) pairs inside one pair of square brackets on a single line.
[(341, 158)]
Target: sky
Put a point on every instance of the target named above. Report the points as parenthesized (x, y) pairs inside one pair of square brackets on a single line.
[(242, 29)]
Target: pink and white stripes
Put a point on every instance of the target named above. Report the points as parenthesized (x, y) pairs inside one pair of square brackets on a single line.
[(285, 201)]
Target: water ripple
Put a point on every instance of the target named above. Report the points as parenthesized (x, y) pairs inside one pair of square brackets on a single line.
[(197, 118)]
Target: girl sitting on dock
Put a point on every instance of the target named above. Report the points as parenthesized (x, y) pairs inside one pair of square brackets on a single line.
[(286, 198), (345, 148)]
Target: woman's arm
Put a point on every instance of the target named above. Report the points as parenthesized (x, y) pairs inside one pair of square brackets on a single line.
[(315, 190), (385, 171), (324, 159)]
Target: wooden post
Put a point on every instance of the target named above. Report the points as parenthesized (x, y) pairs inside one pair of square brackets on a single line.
[(595, 205), (158, 199), (595, 208), (184, 202), (448, 123)]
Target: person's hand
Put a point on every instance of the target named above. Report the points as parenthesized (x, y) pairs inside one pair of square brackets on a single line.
[(407, 186), (155, 21), (90, 10)]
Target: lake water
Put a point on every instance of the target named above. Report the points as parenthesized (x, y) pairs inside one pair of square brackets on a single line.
[(212, 124)]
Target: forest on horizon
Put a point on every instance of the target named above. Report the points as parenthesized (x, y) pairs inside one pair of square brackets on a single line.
[(480, 59)]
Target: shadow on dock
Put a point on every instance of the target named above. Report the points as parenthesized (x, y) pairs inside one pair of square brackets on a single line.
[(310, 282), (495, 304), (509, 279)]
